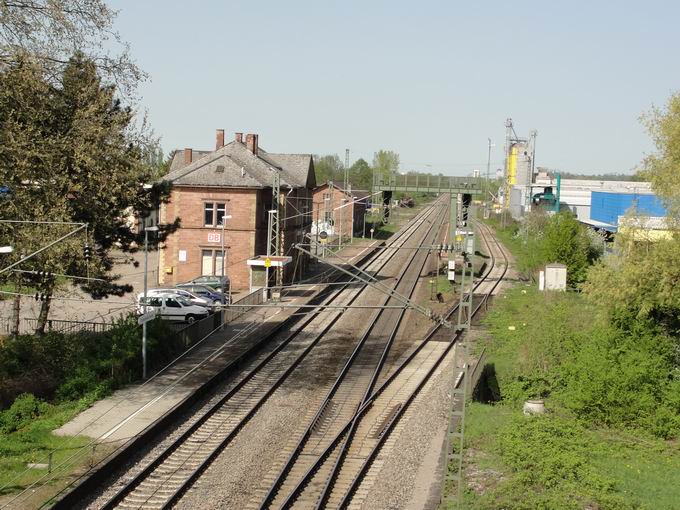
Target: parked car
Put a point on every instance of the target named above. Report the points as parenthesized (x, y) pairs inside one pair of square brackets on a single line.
[(203, 291), (214, 282), (172, 308), (196, 300)]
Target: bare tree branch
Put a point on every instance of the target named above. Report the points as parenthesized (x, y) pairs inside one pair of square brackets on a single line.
[(51, 31)]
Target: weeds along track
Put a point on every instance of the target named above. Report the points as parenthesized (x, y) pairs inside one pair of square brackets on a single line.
[(291, 479), (341, 475), (170, 473)]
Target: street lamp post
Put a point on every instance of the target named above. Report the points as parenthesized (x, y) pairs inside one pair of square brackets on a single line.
[(146, 264), (17, 297)]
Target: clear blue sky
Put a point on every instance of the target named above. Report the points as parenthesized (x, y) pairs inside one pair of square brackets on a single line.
[(429, 80)]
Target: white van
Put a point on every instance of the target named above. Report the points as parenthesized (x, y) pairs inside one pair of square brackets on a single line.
[(172, 308), (196, 300)]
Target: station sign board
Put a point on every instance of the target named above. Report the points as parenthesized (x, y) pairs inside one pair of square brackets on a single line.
[(452, 271), (148, 316)]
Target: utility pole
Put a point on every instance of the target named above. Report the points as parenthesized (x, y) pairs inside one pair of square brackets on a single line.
[(146, 277), (506, 171), (347, 184), (530, 170), (488, 166), (17, 304), (224, 258)]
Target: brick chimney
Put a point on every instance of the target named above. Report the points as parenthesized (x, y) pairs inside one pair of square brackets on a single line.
[(239, 137), (251, 143), (219, 139), (188, 156)]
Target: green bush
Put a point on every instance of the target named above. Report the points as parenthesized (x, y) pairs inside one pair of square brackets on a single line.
[(26, 408), (83, 381), (603, 374), (550, 459), (68, 366), (622, 378)]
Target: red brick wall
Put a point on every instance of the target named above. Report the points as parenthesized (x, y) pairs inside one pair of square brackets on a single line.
[(343, 217), (245, 236), (192, 237)]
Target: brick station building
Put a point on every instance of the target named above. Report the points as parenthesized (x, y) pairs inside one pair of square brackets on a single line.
[(233, 180), (340, 209)]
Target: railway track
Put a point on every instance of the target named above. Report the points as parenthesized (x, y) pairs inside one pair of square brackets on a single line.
[(163, 480), (336, 477), (350, 390)]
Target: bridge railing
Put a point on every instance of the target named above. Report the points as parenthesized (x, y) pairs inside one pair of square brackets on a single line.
[(426, 181)]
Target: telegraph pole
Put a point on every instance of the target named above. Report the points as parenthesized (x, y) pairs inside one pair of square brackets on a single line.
[(488, 167), (347, 170)]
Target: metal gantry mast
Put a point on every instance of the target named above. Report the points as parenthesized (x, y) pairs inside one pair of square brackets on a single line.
[(455, 437), (274, 226)]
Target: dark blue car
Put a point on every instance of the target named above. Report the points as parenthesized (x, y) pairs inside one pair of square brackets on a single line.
[(203, 291)]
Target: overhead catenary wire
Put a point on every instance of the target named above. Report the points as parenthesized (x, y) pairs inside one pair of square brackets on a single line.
[(62, 275), (40, 250), (81, 300), (65, 463)]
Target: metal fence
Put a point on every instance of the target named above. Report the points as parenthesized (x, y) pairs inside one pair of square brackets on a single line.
[(254, 298), (426, 181), (28, 325), (192, 333)]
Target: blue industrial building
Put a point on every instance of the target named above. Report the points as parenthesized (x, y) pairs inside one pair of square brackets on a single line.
[(606, 206)]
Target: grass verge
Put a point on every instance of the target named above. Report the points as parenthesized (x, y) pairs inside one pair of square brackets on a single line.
[(27, 438), (600, 444)]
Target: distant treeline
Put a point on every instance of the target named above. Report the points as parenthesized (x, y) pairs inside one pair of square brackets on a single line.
[(604, 177), (331, 168)]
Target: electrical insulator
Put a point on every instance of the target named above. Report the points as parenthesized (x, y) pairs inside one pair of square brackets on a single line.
[(87, 252), (40, 296)]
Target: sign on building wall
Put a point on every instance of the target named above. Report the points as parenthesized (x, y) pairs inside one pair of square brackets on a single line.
[(182, 255), (213, 237)]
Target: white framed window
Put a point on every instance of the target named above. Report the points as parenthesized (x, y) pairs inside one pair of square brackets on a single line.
[(208, 213), (211, 262), (213, 212)]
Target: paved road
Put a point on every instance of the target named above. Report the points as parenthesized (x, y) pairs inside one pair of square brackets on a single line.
[(67, 307)]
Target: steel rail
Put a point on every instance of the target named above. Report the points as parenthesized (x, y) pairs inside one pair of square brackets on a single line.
[(344, 447), (433, 331), (356, 482), (140, 477), (274, 489)]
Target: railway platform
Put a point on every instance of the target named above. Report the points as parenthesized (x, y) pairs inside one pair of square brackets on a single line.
[(128, 411)]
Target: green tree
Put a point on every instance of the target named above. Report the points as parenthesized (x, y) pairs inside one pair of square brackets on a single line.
[(360, 175), (48, 31), (640, 281), (385, 163), (565, 240), (661, 168), (329, 168), (68, 154)]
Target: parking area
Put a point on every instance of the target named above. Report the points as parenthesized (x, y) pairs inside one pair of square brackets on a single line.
[(70, 303)]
